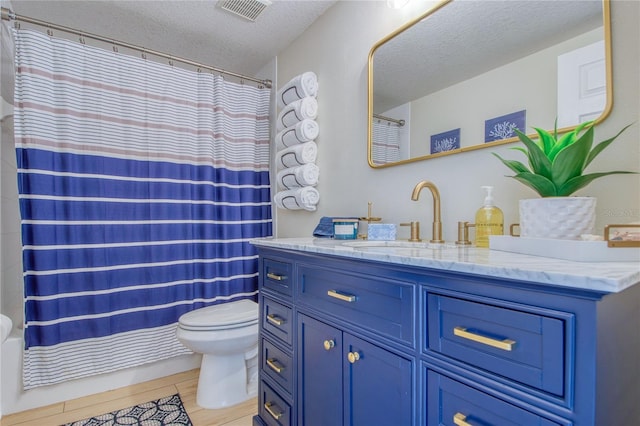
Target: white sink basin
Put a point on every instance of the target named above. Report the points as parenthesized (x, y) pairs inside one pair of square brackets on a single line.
[(397, 245), (5, 327)]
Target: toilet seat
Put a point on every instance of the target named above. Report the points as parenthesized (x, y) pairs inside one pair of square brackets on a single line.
[(223, 316)]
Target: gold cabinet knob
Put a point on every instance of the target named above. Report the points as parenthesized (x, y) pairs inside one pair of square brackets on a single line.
[(353, 357), (328, 344)]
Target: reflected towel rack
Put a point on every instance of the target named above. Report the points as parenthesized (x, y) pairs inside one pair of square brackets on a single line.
[(392, 120)]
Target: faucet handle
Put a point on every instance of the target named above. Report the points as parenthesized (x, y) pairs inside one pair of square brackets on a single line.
[(463, 233), (415, 231)]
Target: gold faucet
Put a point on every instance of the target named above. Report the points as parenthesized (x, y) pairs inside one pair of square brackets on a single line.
[(437, 225)]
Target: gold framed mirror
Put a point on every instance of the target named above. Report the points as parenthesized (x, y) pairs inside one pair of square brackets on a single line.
[(463, 74)]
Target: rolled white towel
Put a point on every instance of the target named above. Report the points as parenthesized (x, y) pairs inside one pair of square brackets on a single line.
[(297, 111), (297, 155), (305, 198), (303, 131), (301, 86), (295, 177)]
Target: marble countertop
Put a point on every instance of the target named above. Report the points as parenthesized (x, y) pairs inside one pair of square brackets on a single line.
[(606, 277)]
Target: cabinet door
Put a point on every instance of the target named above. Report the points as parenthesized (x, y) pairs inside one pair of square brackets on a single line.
[(378, 385), (319, 373)]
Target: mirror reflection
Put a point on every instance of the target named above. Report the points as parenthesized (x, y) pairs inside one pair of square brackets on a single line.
[(466, 73)]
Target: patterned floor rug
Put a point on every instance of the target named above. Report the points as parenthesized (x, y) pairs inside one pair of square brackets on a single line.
[(167, 411)]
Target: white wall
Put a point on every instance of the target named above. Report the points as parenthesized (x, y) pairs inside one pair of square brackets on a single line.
[(336, 47), (10, 249), (468, 104), (6, 127), (269, 72)]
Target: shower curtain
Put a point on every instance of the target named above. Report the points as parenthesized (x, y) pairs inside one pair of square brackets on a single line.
[(140, 186), (385, 142)]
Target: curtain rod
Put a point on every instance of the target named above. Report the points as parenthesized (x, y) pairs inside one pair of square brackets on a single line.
[(392, 120), (8, 15)]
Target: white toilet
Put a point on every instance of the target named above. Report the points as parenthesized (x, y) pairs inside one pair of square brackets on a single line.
[(227, 337)]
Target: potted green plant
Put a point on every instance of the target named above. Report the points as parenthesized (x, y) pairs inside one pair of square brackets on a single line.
[(556, 169)]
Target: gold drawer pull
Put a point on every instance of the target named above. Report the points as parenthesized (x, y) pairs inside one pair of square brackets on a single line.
[(275, 365), (276, 277), (344, 297), (275, 414), (275, 320), (460, 420), (506, 344), (329, 344), (353, 357)]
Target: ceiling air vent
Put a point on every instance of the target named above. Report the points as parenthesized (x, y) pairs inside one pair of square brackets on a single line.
[(248, 9)]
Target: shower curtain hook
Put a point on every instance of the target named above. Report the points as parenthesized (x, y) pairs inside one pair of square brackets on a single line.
[(82, 40), (49, 32), (143, 54)]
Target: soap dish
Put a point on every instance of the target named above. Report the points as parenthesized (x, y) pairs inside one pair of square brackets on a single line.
[(381, 232)]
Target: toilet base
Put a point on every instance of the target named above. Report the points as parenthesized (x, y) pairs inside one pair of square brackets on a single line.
[(223, 381)]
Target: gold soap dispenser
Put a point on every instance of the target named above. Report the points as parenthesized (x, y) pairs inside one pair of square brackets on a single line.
[(489, 220)]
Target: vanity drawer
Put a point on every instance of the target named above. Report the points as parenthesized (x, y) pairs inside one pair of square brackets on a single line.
[(273, 410), (452, 403), (276, 276), (277, 319), (383, 306), (520, 345), (277, 365)]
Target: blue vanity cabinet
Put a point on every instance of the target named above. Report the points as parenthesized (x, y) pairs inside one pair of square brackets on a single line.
[(481, 350), (347, 380), (338, 344), (364, 342), (453, 403), (277, 363), (320, 352), (500, 351), (357, 326), (378, 385)]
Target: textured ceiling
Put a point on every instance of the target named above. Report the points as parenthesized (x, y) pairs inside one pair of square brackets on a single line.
[(467, 38), (197, 30)]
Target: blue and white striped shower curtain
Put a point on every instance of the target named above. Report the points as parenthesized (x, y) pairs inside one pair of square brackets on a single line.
[(140, 186)]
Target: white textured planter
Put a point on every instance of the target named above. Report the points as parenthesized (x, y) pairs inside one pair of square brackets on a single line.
[(564, 218)]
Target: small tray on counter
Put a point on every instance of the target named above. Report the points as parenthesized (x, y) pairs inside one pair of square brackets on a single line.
[(611, 249)]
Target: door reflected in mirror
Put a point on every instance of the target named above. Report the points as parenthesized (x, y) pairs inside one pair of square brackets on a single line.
[(464, 74)]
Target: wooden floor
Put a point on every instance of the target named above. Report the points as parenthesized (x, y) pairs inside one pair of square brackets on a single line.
[(183, 383)]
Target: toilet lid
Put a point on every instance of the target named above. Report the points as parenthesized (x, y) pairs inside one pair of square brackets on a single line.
[(222, 316)]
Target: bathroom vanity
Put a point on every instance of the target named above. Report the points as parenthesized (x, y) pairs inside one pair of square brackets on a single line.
[(359, 334)]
